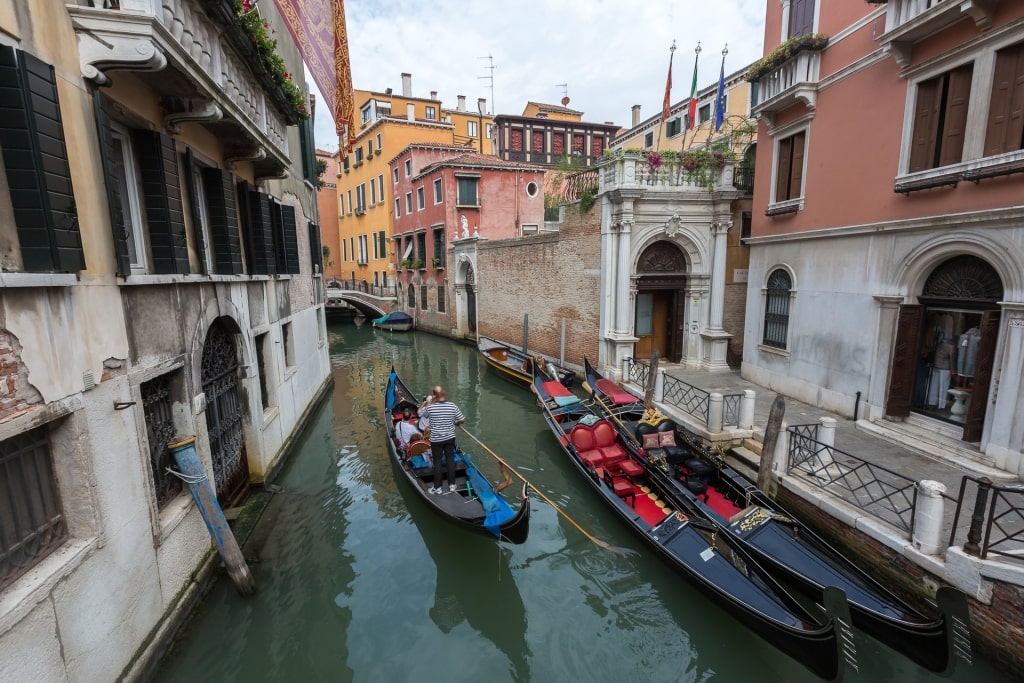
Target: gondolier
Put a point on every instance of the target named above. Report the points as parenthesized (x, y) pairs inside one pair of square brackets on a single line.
[(443, 416)]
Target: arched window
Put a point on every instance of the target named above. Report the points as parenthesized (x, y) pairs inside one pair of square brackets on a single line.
[(776, 309), (412, 296)]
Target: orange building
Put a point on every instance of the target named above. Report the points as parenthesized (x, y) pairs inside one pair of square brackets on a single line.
[(327, 203)]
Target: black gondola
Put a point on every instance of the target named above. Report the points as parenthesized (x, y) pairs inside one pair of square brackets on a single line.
[(515, 365), (701, 481), (714, 563), (476, 504)]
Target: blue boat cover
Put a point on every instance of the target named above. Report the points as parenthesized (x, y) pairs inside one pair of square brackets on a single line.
[(394, 318), (497, 510)]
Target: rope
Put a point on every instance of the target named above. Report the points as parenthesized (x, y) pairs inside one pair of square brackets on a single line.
[(187, 478), (547, 500)]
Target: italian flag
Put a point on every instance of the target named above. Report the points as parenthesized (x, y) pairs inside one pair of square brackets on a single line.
[(692, 113)]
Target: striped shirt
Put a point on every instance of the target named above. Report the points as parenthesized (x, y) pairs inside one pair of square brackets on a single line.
[(442, 416)]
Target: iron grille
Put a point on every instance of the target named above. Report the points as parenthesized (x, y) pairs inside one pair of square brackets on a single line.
[(32, 523), (776, 317), (156, 405)]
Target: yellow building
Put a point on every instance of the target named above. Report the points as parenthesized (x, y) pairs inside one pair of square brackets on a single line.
[(387, 124)]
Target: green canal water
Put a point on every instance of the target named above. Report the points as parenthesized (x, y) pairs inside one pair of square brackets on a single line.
[(359, 581)]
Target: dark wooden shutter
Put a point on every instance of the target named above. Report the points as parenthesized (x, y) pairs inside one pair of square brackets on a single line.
[(161, 191), (926, 125), (117, 223), (1005, 130), (259, 240), (904, 360), (782, 168), (278, 257), (316, 250), (245, 213), (291, 239), (36, 159), (801, 17), (796, 173), (220, 199), (975, 420), (308, 150), (188, 168), (955, 116)]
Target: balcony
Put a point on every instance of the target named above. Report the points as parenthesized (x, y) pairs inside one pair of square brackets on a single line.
[(795, 81), (199, 68), (910, 21), (631, 171)]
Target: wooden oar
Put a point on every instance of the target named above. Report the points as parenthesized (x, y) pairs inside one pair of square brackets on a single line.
[(509, 468), (625, 432)]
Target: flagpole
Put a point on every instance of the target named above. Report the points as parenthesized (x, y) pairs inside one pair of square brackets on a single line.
[(720, 97), (666, 105), (691, 107)]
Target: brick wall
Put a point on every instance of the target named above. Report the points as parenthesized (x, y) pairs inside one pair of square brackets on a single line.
[(16, 394), (550, 277), (996, 630)]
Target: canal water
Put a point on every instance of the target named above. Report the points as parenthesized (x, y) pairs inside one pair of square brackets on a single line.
[(359, 581)]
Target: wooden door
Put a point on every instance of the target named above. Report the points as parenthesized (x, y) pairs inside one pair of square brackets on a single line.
[(661, 320), (904, 360), (982, 376), (643, 324)]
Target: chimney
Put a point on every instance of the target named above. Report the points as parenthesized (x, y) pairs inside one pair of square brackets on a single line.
[(636, 115), (462, 102), (410, 111), (406, 85), (481, 105), (433, 94)]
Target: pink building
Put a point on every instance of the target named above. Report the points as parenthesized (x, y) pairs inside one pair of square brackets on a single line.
[(887, 243), (444, 195)]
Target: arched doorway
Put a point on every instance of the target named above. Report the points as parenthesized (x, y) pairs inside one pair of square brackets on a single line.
[(945, 346), (471, 299), (224, 412), (660, 301)]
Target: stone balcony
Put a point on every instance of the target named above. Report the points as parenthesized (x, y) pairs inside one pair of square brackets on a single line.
[(794, 81), (910, 21), (631, 171), (188, 59)]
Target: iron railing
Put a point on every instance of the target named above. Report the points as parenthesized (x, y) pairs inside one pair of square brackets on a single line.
[(997, 525), (383, 291), (639, 372), (877, 490), (688, 398)]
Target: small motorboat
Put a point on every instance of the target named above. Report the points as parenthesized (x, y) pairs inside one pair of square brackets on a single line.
[(395, 321), (516, 365)]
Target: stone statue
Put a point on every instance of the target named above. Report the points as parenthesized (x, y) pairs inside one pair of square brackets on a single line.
[(465, 227)]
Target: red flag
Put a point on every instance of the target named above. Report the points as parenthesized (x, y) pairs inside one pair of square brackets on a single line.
[(666, 105), (318, 27), (692, 113)]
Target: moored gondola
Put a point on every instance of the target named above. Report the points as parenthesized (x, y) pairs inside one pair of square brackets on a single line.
[(712, 562), (516, 366), (476, 504), (700, 481)]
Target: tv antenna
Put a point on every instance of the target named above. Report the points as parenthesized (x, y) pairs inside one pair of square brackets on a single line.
[(489, 78), (565, 93)]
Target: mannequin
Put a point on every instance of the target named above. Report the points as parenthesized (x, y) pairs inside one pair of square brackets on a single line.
[(967, 352), (945, 361)]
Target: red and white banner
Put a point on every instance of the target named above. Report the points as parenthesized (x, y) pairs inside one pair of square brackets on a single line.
[(318, 27)]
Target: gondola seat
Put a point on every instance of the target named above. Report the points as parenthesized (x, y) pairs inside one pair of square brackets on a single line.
[(606, 440), (618, 396), (622, 489), (631, 469), (698, 468), (583, 440)]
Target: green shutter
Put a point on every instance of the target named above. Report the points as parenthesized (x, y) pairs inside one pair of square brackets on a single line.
[(220, 199), (161, 193), (316, 250), (117, 222), (259, 240), (197, 214), (291, 239), (36, 160)]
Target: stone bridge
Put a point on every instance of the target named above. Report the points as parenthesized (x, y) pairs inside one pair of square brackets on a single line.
[(373, 304)]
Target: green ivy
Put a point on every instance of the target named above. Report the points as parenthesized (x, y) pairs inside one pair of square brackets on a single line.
[(784, 52)]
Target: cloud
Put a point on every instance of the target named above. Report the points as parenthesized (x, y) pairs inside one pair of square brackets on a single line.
[(610, 55)]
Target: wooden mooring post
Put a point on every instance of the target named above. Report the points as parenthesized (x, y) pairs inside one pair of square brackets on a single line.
[(771, 437)]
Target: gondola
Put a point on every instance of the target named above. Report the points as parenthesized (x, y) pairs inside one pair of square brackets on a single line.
[(700, 481), (476, 504), (713, 562), (515, 365), (395, 321)]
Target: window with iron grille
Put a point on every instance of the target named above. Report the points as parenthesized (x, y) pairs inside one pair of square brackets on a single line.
[(423, 297), (32, 523), (261, 366), (412, 296), (776, 310), (157, 406), (440, 299)]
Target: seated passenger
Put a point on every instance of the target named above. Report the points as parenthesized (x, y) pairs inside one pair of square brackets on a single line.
[(406, 430)]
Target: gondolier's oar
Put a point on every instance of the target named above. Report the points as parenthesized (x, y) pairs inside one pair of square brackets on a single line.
[(625, 432), (509, 468)]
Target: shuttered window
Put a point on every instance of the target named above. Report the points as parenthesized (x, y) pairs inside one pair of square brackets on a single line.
[(220, 197), (1005, 130), (801, 17), (161, 194), (112, 158), (789, 178), (258, 230), (291, 240), (35, 158), (316, 250), (940, 119)]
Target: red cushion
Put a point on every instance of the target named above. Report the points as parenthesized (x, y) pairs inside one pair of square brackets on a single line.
[(622, 488), (652, 441), (618, 395), (555, 388), (592, 458), (667, 439), (582, 438), (630, 468), (613, 453), (604, 434)]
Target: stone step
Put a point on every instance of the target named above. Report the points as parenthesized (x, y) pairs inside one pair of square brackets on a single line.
[(937, 442)]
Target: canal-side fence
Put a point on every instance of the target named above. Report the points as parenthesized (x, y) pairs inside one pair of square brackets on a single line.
[(997, 518), (715, 410)]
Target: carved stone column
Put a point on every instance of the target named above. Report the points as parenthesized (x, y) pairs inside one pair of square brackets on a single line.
[(623, 273), (716, 339)]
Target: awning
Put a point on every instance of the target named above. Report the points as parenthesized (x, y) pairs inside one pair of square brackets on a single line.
[(408, 251)]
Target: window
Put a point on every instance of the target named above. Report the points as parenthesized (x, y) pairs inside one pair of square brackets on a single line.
[(350, 204), (398, 207), (408, 202), (438, 196), (369, 149), (125, 174), (421, 249), (940, 117), (649, 139), (789, 167), (672, 127), (529, 228), (376, 251), (382, 240), (363, 250), (467, 192), (471, 129), (158, 408), (423, 297), (440, 299), (532, 189), (373, 192), (365, 114), (288, 342), (1005, 129), (394, 174), (32, 520), (379, 146), (408, 168), (411, 299), (704, 113), (360, 199), (801, 17), (380, 184), (431, 113), (421, 198), (776, 309), (359, 155), (439, 247), (489, 130), (261, 367), (341, 203)]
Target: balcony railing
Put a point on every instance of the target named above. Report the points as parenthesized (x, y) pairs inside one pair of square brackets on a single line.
[(910, 21), (623, 170), (795, 81)]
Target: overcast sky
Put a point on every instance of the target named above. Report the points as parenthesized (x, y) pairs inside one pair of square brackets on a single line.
[(609, 54)]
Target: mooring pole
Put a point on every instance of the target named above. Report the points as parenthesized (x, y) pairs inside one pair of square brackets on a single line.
[(978, 518), (193, 474), (651, 379), (771, 437)]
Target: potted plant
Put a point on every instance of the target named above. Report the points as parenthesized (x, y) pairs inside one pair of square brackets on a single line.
[(406, 263), (438, 263), (417, 264)]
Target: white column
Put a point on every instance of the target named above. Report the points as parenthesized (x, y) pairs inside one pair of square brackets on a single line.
[(826, 434), (659, 386), (781, 462), (1007, 431), (715, 410), (623, 271), (928, 529), (747, 409), (719, 232)]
